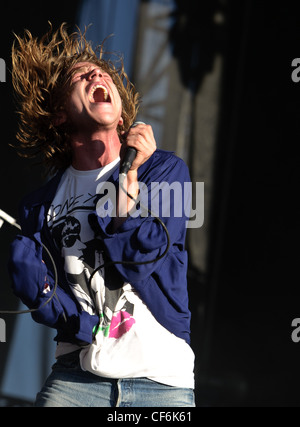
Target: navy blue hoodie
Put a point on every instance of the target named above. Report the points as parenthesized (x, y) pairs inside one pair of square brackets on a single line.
[(161, 285)]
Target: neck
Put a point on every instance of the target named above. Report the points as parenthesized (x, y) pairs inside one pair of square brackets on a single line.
[(95, 150)]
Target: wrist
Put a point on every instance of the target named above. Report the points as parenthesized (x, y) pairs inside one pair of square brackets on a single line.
[(132, 176)]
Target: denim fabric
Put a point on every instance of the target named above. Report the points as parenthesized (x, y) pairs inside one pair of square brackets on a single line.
[(69, 386)]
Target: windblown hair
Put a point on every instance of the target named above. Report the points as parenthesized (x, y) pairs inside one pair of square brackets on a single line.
[(41, 77)]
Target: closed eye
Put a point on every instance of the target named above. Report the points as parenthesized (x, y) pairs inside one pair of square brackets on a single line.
[(79, 76), (107, 76)]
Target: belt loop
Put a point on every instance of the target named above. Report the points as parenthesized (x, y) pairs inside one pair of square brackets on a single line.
[(119, 389)]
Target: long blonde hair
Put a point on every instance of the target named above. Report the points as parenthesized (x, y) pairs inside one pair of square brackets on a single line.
[(41, 80)]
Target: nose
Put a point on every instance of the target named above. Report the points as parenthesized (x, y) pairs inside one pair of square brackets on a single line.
[(95, 73)]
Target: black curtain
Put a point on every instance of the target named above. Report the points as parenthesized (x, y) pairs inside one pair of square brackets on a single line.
[(247, 356)]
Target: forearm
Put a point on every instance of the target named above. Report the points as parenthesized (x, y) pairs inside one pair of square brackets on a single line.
[(126, 204), (141, 238), (33, 283), (142, 139)]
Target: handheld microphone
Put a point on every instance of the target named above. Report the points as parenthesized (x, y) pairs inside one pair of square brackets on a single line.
[(129, 156), (128, 160)]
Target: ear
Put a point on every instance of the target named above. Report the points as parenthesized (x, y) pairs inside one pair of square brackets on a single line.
[(59, 118), (121, 121)]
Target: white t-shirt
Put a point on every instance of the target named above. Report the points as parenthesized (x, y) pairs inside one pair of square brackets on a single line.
[(130, 343)]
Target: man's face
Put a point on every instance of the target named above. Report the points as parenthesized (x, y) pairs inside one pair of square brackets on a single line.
[(94, 101)]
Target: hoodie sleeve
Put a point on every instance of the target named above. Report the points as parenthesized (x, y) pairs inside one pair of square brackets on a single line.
[(141, 238), (34, 283)]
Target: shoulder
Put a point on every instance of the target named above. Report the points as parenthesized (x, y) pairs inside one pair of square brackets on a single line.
[(43, 194), (165, 164), (163, 157)]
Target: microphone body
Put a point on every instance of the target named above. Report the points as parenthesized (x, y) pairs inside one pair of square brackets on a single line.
[(129, 156), (128, 160)]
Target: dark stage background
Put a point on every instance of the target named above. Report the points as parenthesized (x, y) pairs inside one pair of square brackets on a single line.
[(230, 71)]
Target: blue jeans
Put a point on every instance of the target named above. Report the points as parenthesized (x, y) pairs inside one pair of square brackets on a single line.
[(69, 386)]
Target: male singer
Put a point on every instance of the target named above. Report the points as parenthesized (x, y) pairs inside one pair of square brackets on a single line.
[(123, 330)]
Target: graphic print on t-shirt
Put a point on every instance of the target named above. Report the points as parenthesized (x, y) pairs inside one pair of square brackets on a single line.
[(81, 257), (73, 224)]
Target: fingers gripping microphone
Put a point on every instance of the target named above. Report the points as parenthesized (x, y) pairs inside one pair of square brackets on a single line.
[(129, 156)]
